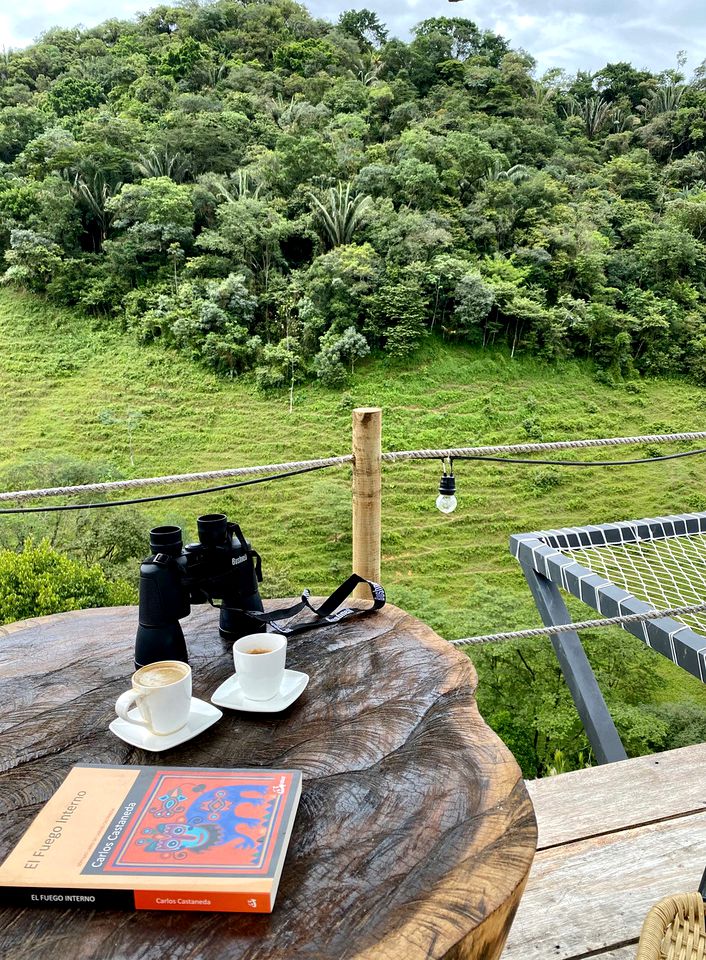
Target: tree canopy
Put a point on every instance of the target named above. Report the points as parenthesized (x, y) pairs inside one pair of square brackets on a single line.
[(267, 190)]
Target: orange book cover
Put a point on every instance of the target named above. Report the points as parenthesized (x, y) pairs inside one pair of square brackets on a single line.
[(157, 838)]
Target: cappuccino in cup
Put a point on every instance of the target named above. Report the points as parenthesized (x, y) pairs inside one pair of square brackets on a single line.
[(160, 674), (162, 694)]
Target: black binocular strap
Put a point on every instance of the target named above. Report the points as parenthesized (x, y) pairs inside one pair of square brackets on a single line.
[(327, 613)]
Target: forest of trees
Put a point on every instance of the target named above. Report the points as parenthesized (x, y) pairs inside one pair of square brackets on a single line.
[(271, 192)]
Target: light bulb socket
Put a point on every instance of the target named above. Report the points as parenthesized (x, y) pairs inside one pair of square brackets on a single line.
[(447, 485)]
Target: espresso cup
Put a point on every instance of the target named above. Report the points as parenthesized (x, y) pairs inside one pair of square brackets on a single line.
[(162, 694), (259, 663)]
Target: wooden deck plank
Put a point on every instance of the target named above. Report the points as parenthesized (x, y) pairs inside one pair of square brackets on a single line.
[(594, 894), (574, 806), (622, 953)]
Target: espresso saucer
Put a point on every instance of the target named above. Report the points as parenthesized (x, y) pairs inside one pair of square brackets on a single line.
[(230, 695), (201, 716)]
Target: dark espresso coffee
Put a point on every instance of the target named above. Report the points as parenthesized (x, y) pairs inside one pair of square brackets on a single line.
[(258, 650)]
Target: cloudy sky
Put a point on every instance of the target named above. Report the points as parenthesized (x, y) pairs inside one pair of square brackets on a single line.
[(572, 34)]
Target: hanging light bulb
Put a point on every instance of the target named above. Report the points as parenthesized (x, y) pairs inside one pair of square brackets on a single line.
[(446, 501)]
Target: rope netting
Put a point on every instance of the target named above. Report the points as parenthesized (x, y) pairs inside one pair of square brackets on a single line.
[(660, 562), (663, 571)]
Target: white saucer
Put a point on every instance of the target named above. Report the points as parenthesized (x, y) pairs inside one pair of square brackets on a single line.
[(201, 717), (230, 695)]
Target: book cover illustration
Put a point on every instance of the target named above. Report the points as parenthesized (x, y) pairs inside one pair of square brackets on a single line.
[(157, 838), (196, 822)]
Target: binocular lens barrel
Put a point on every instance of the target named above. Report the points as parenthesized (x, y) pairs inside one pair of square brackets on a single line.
[(213, 529), (166, 540), (222, 565)]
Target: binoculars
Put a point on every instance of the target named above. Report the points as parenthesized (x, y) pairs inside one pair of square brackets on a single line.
[(222, 565)]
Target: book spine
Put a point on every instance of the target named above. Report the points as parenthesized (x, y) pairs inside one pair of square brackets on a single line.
[(81, 899), (103, 899), (222, 902)]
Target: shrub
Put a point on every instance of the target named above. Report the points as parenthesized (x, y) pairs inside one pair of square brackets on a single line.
[(32, 260), (40, 580), (400, 310), (685, 723), (532, 428), (209, 319), (337, 351), (545, 479), (115, 540), (474, 301), (59, 471), (281, 365)]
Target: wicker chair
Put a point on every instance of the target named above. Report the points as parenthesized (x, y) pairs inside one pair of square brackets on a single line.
[(674, 929)]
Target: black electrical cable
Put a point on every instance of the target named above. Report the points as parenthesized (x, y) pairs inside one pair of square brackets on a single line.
[(164, 496), (294, 473), (581, 463)]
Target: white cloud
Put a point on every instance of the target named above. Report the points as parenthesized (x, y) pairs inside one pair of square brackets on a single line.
[(573, 34), (19, 28)]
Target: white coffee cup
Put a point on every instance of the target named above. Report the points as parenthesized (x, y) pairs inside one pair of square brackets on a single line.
[(162, 694), (259, 660)]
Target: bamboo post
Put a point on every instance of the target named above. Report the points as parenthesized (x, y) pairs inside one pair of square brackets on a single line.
[(367, 495)]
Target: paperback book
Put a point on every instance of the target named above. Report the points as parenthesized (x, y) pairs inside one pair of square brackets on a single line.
[(157, 838)]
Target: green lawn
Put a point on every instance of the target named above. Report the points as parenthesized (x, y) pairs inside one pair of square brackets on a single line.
[(59, 373)]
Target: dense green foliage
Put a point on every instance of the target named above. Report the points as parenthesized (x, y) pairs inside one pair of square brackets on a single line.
[(81, 403), (524, 697), (262, 189), (40, 580)]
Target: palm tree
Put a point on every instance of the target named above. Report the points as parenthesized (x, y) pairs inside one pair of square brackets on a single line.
[(4, 62), (212, 73), (663, 100), (92, 190), (541, 93), (342, 214), (163, 163), (90, 68), (239, 187), (293, 113), (693, 189), (621, 121), (515, 174), (594, 111), (276, 106), (366, 69)]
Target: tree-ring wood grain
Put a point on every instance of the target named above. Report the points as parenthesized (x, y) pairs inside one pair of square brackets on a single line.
[(415, 832)]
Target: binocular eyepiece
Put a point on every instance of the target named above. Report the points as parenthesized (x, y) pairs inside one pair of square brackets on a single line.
[(221, 565), (166, 540), (212, 529)]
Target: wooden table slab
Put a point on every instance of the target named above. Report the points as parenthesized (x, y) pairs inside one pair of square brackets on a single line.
[(415, 832), (613, 840)]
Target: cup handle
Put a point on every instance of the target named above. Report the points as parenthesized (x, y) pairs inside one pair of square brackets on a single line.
[(125, 702)]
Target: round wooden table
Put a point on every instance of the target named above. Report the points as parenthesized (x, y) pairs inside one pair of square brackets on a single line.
[(415, 832)]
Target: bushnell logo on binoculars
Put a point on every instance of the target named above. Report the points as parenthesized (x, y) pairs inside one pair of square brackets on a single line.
[(222, 565)]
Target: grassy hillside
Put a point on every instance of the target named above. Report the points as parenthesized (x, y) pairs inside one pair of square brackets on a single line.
[(59, 375)]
